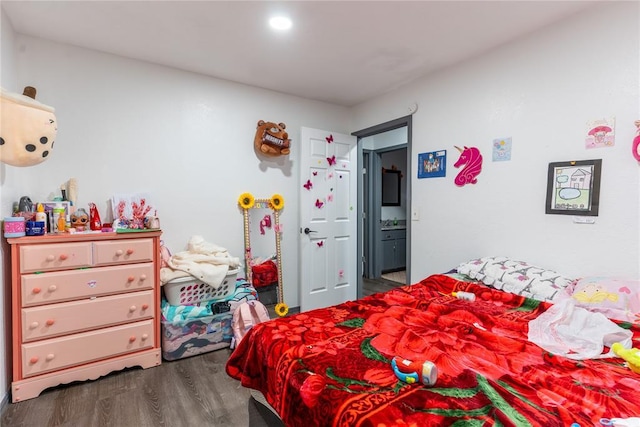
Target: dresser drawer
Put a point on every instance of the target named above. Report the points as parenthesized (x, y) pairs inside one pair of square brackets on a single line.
[(54, 256), (58, 353), (60, 319), (61, 286), (122, 251)]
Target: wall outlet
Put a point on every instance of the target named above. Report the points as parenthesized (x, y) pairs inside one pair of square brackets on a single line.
[(584, 220), (415, 214)]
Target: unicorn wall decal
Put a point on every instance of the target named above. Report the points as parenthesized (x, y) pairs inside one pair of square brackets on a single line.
[(636, 142), (472, 159)]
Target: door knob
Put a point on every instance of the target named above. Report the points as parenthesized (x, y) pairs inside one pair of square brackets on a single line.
[(307, 230)]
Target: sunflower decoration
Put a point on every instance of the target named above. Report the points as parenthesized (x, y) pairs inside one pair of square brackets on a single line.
[(282, 309), (246, 200), (276, 202)]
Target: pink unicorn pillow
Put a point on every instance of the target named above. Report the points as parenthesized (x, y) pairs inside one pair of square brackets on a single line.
[(615, 298)]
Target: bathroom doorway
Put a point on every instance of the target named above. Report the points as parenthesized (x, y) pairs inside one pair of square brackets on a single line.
[(385, 234)]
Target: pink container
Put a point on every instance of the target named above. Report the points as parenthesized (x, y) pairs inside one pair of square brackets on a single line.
[(14, 226)]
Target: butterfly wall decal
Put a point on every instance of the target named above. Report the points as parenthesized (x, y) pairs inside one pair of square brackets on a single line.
[(331, 160), (329, 139), (319, 204), (320, 243), (315, 173), (308, 185)]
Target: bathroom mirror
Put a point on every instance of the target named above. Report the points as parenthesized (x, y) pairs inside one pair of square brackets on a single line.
[(391, 187)]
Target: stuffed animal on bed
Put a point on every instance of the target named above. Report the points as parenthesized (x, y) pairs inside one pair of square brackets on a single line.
[(27, 128), (272, 139)]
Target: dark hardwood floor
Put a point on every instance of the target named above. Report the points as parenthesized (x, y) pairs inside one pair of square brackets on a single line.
[(374, 286), (194, 391)]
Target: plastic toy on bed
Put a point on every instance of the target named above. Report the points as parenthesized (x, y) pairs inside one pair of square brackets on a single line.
[(421, 371), (630, 355)]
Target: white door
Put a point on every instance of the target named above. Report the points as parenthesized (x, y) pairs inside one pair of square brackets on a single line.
[(328, 213)]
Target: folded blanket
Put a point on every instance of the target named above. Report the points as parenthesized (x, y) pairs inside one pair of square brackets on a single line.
[(205, 261)]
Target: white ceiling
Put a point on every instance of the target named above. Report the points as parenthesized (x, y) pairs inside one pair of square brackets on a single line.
[(339, 52)]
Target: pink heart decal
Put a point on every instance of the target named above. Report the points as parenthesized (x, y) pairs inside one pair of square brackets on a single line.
[(625, 290)]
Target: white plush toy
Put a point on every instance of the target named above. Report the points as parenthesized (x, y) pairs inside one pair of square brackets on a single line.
[(28, 128)]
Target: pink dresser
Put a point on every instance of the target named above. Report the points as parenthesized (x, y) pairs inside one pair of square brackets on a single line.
[(83, 305)]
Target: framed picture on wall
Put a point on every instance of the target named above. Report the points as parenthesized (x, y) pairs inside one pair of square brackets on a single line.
[(573, 188), (433, 164)]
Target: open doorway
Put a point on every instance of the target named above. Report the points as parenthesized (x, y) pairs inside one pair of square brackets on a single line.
[(384, 228)]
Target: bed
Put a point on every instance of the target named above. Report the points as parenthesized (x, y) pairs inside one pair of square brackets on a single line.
[(332, 366)]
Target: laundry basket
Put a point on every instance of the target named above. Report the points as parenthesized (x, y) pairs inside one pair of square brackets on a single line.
[(190, 291)]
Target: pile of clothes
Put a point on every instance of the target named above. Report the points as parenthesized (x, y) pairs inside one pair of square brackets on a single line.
[(205, 261)]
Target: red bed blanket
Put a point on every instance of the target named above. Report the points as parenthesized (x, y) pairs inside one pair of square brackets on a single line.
[(331, 366)]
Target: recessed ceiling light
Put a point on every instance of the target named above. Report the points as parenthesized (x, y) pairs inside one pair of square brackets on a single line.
[(280, 23)]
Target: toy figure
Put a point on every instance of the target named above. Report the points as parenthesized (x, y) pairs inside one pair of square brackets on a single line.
[(79, 219)]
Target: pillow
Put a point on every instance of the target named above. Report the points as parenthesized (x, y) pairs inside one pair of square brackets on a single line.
[(517, 277), (616, 298)]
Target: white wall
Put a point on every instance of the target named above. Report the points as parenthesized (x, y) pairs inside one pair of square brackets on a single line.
[(386, 139), (540, 91), (126, 126), (7, 79)]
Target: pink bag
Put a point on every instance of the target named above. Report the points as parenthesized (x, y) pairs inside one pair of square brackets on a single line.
[(245, 316)]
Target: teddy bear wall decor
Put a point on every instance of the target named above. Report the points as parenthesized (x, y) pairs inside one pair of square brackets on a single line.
[(271, 139), (28, 128)]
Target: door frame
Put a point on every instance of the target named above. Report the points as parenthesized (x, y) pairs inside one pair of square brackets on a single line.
[(366, 226)]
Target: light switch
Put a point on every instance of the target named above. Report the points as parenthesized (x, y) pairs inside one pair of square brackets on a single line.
[(415, 213)]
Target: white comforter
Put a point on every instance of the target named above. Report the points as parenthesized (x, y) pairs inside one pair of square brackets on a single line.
[(205, 261)]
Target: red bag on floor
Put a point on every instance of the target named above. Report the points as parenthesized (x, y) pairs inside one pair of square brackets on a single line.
[(264, 274)]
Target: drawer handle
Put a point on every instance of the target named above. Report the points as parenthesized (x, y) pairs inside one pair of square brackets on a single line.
[(130, 279), (143, 277), (50, 357), (119, 252), (132, 308), (34, 325), (144, 336), (50, 322), (33, 360), (129, 251), (36, 290), (132, 338), (53, 288), (51, 258), (63, 257), (145, 306)]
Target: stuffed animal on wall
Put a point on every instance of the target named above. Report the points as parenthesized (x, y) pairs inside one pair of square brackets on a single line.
[(27, 128), (272, 139)]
